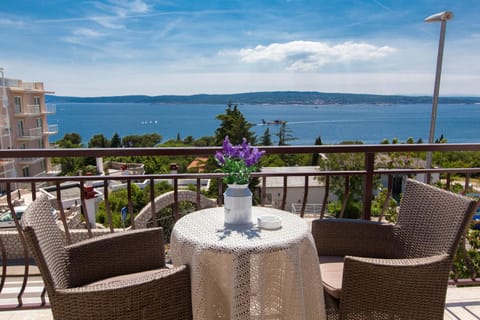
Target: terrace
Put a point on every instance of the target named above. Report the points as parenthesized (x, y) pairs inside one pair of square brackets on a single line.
[(462, 302)]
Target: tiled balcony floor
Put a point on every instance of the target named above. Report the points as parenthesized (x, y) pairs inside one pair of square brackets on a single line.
[(462, 304)]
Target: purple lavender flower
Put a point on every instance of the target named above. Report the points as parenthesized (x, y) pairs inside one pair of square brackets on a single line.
[(238, 162), (219, 157)]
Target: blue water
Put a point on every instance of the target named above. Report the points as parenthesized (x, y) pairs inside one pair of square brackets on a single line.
[(459, 123)]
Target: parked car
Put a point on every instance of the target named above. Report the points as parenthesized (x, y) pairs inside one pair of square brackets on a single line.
[(476, 220), (476, 216), (6, 219)]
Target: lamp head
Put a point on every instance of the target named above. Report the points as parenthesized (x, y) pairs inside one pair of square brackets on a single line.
[(441, 16)]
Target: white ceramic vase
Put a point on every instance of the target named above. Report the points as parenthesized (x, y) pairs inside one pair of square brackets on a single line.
[(238, 204)]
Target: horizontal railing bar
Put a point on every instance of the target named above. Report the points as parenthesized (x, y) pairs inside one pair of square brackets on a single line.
[(166, 176), (172, 151)]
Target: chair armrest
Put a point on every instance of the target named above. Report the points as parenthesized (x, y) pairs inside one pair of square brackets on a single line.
[(163, 294), (123, 252), (341, 237), (395, 288)]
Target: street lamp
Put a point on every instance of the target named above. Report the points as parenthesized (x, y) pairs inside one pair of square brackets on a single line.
[(442, 17)]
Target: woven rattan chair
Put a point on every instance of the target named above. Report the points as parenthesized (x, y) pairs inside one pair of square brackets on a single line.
[(374, 270), (118, 276)]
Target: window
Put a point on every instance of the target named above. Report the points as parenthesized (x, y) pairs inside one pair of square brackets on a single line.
[(36, 104), (21, 131), (26, 171), (18, 104), (40, 123)]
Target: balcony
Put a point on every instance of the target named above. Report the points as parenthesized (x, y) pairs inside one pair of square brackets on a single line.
[(462, 302), (30, 161), (31, 134), (50, 109), (28, 111), (6, 168), (51, 129)]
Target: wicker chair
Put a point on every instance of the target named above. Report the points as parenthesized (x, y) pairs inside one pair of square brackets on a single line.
[(374, 270), (118, 276)]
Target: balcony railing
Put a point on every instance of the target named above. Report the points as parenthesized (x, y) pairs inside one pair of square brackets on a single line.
[(51, 129), (30, 110), (30, 134), (50, 108), (104, 186)]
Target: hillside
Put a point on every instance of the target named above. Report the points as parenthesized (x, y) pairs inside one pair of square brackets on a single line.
[(277, 97)]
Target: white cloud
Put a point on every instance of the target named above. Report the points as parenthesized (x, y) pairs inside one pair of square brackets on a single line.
[(108, 22), (168, 28), (115, 11), (86, 32), (310, 55), (11, 22), (127, 7), (122, 8)]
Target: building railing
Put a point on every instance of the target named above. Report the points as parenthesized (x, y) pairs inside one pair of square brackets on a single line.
[(51, 129), (50, 108), (369, 173), (33, 86), (28, 110), (30, 134)]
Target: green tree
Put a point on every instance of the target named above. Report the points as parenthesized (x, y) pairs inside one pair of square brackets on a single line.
[(188, 140), (141, 141), (116, 142), (70, 140), (70, 165), (315, 155), (118, 200), (234, 125), (99, 141), (442, 139), (379, 202), (266, 139), (206, 141), (346, 162), (284, 134)]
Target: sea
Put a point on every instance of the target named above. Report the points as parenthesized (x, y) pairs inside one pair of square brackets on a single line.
[(458, 123)]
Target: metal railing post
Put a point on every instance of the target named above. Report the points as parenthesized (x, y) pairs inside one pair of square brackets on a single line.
[(368, 185)]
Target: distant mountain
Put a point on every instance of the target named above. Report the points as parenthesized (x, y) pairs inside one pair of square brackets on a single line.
[(275, 97)]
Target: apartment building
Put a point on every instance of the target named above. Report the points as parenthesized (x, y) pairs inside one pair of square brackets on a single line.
[(23, 125)]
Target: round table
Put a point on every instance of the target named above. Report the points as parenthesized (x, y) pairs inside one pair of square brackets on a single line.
[(245, 272)]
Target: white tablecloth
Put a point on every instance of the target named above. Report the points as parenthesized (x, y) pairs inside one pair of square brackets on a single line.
[(243, 272)]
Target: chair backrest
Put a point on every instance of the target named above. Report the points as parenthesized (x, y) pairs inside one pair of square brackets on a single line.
[(431, 220), (46, 242)]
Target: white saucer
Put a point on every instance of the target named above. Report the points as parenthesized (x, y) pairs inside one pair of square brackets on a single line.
[(269, 222)]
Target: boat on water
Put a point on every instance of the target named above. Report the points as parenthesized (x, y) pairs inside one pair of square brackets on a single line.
[(266, 123)]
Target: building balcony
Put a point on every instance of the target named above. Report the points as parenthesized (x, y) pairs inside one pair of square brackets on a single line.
[(50, 109), (20, 86), (33, 86), (6, 167), (28, 111), (31, 134), (29, 161), (462, 302), (51, 129)]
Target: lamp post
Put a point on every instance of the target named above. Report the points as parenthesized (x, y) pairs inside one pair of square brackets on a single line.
[(442, 17)]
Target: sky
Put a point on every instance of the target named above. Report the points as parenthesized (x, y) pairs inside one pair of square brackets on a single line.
[(158, 47)]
